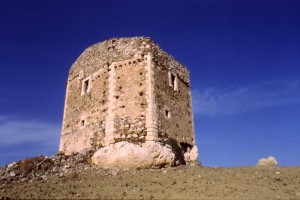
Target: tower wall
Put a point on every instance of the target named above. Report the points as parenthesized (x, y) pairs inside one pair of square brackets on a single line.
[(174, 107), (127, 102)]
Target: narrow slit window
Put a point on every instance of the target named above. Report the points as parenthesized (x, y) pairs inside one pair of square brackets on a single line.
[(167, 113), (86, 86), (173, 80), (82, 123)]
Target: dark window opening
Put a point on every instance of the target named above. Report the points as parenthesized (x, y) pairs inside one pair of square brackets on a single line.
[(82, 123), (167, 113), (173, 78), (86, 86), (173, 81)]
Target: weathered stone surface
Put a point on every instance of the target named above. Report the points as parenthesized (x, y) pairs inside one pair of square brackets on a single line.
[(127, 155), (191, 155), (267, 162)]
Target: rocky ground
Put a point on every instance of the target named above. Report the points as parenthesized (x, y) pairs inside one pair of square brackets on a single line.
[(66, 177)]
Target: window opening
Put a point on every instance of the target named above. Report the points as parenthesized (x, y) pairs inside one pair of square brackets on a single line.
[(86, 86), (167, 113), (173, 82), (82, 123), (173, 78)]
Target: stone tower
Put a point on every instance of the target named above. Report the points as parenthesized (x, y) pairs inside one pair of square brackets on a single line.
[(126, 89)]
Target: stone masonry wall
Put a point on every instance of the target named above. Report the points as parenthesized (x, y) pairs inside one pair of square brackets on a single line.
[(90, 108), (130, 101), (174, 108)]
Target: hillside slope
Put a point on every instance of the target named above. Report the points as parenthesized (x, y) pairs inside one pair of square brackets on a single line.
[(82, 180)]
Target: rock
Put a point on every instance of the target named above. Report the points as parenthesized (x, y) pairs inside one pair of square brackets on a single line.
[(128, 136), (191, 155), (267, 162), (194, 153), (10, 166), (127, 155), (23, 179), (12, 174), (44, 177)]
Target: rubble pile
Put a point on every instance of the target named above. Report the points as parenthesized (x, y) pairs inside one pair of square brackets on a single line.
[(37, 168)]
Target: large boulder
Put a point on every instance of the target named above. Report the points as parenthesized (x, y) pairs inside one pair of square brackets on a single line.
[(127, 155), (267, 162)]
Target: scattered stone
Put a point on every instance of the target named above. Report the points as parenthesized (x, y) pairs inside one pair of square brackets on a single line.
[(24, 179), (13, 174), (41, 166)]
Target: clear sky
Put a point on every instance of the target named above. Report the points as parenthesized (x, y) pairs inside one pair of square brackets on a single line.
[(243, 55)]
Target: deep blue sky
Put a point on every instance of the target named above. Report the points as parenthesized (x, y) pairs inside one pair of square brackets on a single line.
[(243, 55)]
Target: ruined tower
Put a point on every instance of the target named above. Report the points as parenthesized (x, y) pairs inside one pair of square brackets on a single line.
[(126, 89)]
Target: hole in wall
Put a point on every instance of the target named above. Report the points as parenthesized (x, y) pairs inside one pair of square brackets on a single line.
[(141, 93), (82, 123), (167, 113), (86, 84)]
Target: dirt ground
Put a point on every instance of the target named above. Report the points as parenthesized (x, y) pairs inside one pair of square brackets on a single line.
[(184, 182)]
